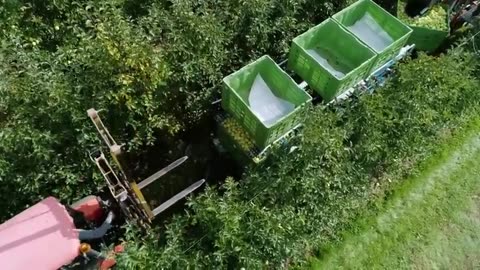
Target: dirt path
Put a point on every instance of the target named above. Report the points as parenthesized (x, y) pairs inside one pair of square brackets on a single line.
[(433, 223)]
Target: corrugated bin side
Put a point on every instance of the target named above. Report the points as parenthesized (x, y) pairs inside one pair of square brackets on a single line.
[(235, 99), (385, 29), (346, 60)]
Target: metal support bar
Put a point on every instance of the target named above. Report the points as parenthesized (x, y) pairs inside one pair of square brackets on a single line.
[(283, 62), (162, 172), (217, 101), (303, 85), (115, 149), (141, 200), (104, 133), (177, 197), (114, 183), (279, 139), (348, 93), (404, 51)]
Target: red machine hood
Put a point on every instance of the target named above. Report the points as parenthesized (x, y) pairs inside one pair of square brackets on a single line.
[(42, 237)]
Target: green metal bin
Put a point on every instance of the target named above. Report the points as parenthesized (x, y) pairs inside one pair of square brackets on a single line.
[(425, 39), (236, 93), (330, 59), (377, 28)]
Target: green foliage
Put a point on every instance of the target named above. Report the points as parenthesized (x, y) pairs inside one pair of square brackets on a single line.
[(45, 91), (418, 208), (203, 41), (435, 18), (349, 154), (153, 66)]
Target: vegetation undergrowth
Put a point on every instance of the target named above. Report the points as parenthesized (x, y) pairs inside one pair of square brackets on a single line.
[(423, 208), (349, 155), (152, 66)]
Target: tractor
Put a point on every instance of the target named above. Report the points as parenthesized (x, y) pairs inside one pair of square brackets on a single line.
[(50, 235)]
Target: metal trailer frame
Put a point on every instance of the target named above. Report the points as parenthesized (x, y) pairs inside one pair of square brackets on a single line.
[(123, 187)]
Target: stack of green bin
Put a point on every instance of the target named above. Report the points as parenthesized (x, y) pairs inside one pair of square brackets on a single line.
[(235, 96), (343, 51), (425, 39), (398, 31)]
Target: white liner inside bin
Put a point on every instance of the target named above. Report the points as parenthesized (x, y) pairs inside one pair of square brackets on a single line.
[(324, 63), (370, 32), (265, 105)]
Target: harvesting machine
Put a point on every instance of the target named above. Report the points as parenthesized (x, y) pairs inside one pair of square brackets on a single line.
[(50, 235)]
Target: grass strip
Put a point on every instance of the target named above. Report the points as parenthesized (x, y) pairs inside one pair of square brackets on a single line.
[(411, 229)]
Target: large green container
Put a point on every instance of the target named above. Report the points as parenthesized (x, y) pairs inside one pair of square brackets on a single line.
[(235, 99), (343, 51), (425, 39), (397, 31)]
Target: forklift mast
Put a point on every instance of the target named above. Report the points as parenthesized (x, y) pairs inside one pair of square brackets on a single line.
[(121, 184)]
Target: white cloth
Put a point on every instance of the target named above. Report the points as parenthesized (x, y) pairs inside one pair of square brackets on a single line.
[(324, 63), (370, 32), (265, 105)]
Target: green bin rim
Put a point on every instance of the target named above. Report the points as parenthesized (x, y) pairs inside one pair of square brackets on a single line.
[(408, 29), (269, 59), (330, 20), (359, 2)]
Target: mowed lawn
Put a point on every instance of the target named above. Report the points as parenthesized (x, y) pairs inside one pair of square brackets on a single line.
[(433, 222)]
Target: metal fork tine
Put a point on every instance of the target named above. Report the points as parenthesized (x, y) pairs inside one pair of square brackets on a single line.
[(162, 172), (177, 197)]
